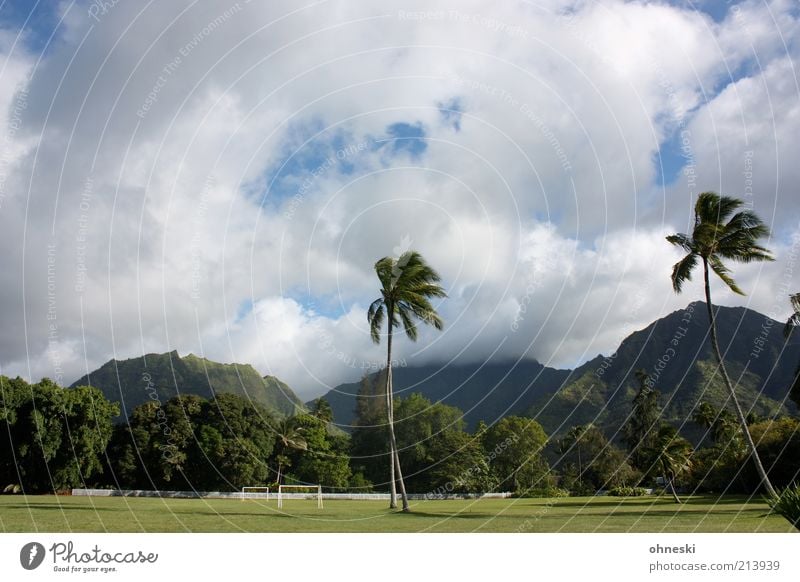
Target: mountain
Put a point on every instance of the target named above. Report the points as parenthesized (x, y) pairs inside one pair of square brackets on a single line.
[(674, 350), (487, 391), (163, 376)]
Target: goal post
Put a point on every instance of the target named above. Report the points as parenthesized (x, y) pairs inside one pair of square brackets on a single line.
[(315, 491), (255, 493)]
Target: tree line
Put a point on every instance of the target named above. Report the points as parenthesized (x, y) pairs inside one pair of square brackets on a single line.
[(54, 439)]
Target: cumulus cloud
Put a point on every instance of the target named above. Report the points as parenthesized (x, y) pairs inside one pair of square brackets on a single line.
[(220, 178)]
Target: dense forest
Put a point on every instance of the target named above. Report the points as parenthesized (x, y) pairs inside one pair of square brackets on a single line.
[(55, 439)]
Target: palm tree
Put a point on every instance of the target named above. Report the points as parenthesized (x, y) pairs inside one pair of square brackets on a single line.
[(791, 324), (639, 430), (673, 455), (407, 285), (722, 231), (322, 410), (723, 426), (290, 437)]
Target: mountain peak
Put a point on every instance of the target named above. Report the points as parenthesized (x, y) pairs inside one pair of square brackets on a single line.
[(160, 377)]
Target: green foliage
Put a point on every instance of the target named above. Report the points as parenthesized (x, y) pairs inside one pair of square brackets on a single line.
[(627, 491), (641, 429), (788, 330), (459, 465), (408, 284), (778, 443), (673, 456), (721, 231), (588, 462), (513, 447), (424, 439), (317, 456), (193, 443), (787, 505), (52, 438)]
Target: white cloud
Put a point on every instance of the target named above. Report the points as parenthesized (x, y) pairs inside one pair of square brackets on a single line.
[(156, 135)]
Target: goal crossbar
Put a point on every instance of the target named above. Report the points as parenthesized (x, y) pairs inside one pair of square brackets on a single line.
[(255, 493), (317, 493)]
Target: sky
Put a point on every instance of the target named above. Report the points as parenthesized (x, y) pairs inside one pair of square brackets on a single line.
[(219, 178)]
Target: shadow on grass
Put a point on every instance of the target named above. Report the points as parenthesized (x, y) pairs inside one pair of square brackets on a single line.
[(56, 506), (441, 515), (646, 502)]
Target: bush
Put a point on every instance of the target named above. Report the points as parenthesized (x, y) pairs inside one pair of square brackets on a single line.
[(628, 491), (787, 505)]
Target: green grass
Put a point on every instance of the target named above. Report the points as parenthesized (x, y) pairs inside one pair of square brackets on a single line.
[(48, 513)]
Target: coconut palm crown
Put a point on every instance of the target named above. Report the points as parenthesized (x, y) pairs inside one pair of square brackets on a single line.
[(720, 232), (407, 285)]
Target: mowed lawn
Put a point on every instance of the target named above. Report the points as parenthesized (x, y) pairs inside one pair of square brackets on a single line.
[(573, 514)]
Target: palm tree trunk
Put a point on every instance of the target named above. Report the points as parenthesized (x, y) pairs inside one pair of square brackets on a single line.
[(739, 413), (390, 424), (671, 482), (395, 471)]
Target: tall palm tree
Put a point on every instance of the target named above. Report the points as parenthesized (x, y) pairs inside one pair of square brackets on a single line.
[(289, 437), (792, 323), (407, 285), (722, 231), (673, 455)]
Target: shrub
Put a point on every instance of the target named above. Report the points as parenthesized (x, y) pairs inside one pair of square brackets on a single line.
[(787, 505), (546, 492), (628, 491)]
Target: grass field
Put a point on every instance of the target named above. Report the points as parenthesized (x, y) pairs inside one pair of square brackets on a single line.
[(571, 514)]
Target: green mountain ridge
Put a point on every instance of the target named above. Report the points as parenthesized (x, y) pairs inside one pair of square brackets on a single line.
[(674, 350), (160, 377)]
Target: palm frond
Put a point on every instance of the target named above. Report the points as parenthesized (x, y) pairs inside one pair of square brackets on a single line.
[(682, 271), (375, 317), (794, 318), (681, 240), (408, 323), (724, 273), (384, 269), (429, 316)]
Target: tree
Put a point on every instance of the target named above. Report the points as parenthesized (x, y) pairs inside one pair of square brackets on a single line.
[(514, 448), (459, 465), (407, 285), (791, 324), (720, 232), (189, 442), (673, 455), (324, 460), (423, 430), (779, 445), (641, 428), (724, 427), (53, 438), (289, 437), (322, 410), (590, 462), (369, 442)]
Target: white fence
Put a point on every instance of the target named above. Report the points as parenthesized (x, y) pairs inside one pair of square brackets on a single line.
[(273, 495)]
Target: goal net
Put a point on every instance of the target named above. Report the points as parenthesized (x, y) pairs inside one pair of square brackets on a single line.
[(300, 492), (255, 493)]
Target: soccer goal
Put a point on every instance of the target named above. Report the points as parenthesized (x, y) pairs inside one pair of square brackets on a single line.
[(312, 492), (255, 493)]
